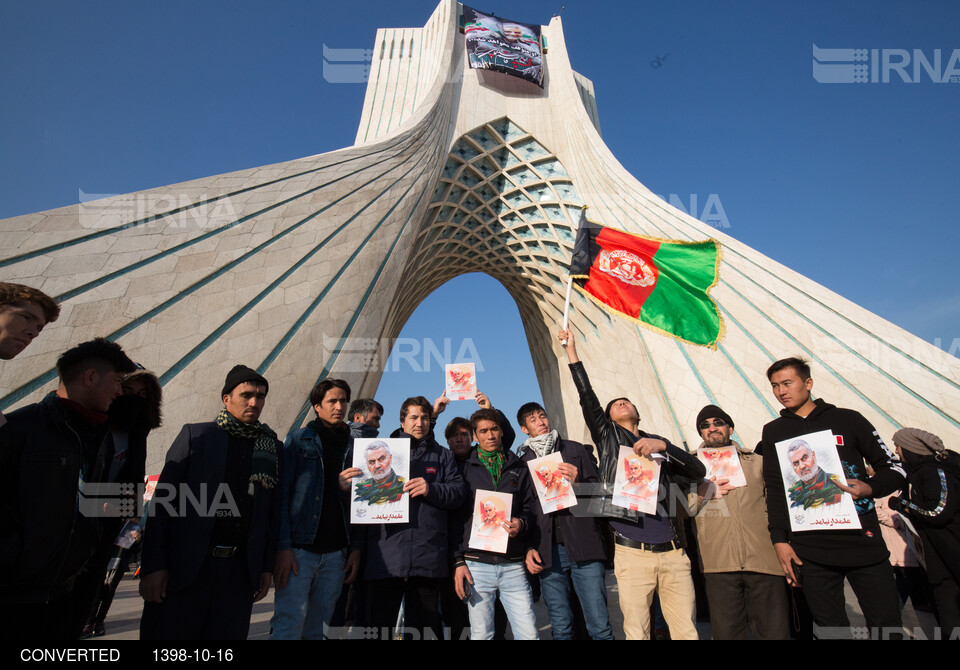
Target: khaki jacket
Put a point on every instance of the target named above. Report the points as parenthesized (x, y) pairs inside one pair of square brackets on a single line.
[(732, 531)]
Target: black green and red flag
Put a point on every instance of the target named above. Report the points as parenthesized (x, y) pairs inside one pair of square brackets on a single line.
[(661, 284)]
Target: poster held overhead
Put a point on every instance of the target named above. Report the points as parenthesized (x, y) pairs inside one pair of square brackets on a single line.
[(461, 381)]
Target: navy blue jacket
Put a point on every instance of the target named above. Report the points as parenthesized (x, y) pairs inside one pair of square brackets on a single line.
[(417, 548), (581, 534), (514, 479)]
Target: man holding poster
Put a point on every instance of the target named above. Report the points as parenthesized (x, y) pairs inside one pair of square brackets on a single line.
[(570, 553), (744, 580), (651, 554), (814, 545), (483, 575), (408, 561)]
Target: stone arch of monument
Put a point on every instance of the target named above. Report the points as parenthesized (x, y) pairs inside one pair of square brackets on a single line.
[(453, 170)]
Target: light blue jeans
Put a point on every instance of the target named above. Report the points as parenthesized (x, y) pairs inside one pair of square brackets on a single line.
[(303, 609), (510, 581), (587, 579)]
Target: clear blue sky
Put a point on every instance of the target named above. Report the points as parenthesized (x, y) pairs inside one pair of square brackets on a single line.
[(856, 186)]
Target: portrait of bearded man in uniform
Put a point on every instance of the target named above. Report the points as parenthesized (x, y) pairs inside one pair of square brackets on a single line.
[(384, 485), (816, 487)]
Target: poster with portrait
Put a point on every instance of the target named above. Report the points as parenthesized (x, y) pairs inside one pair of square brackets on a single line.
[(553, 490), (811, 469), (461, 381), (723, 463), (504, 46), (491, 512), (638, 481), (377, 495)]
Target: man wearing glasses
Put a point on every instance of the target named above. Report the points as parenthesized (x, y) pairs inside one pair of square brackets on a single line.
[(744, 580)]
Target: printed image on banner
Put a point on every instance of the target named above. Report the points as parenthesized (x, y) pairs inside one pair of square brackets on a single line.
[(491, 512), (378, 495), (638, 481), (722, 463), (461, 381), (811, 470), (553, 489), (503, 46)]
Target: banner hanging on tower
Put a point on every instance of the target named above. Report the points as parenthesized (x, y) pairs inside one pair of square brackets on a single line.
[(503, 46), (660, 284)]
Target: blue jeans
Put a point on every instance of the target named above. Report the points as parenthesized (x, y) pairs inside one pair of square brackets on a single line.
[(303, 609), (587, 578), (510, 581)]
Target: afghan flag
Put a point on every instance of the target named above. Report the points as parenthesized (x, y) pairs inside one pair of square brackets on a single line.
[(660, 284)]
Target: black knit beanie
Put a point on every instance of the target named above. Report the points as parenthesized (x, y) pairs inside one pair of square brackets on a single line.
[(240, 374), (713, 412)]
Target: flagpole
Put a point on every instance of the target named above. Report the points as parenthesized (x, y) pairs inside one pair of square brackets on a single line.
[(566, 308)]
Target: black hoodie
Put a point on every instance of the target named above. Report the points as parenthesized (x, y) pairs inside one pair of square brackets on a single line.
[(860, 442)]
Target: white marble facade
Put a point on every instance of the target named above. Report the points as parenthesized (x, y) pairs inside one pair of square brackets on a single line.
[(453, 171)]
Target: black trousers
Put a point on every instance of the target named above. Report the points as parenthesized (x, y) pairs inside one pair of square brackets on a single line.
[(216, 606), (874, 587), (747, 600), (421, 597)]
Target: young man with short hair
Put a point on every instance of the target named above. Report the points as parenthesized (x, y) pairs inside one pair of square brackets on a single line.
[(826, 557), (407, 562), (204, 568), (650, 555), (364, 417), (314, 519), (49, 452), (570, 553), (24, 311), (490, 467)]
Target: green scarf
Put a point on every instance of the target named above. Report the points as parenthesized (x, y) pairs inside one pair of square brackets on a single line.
[(263, 463), (493, 462)]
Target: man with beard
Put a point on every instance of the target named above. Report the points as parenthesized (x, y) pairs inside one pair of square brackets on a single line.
[(569, 554), (744, 580), (408, 561), (384, 485), (816, 487)]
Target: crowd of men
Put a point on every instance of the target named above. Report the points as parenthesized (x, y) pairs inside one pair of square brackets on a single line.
[(276, 514)]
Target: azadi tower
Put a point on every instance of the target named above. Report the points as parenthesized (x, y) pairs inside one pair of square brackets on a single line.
[(453, 171)]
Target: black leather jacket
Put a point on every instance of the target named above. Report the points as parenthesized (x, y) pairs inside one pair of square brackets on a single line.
[(678, 472)]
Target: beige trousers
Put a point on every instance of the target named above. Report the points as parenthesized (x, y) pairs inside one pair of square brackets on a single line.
[(639, 574)]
